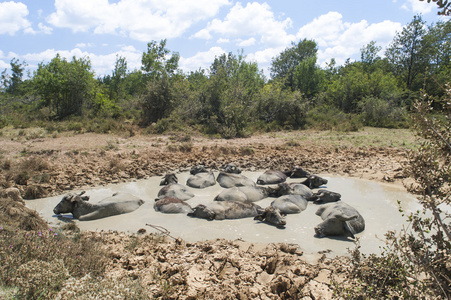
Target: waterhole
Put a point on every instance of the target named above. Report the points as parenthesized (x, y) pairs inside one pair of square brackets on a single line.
[(376, 202)]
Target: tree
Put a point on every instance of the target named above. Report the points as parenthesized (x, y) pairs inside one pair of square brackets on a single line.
[(352, 84), (284, 65), (438, 39), (155, 62), (65, 86), (408, 53), (280, 107), (12, 83), (229, 94), (117, 86), (158, 100), (308, 77), (369, 56), (444, 5)]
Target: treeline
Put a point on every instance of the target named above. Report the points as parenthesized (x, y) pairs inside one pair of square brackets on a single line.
[(233, 98)]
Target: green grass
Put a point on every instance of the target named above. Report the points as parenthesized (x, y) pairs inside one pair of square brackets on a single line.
[(367, 137)]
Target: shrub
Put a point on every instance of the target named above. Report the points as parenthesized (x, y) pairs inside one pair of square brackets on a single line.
[(101, 288), (381, 113), (37, 279), (416, 262), (331, 118)]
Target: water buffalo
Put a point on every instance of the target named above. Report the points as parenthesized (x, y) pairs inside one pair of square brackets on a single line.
[(272, 216), (285, 188), (297, 172), (290, 204), (198, 169), (119, 203), (221, 210), (245, 194), (325, 196), (228, 180), (170, 205), (173, 189), (272, 177), (201, 177), (314, 181), (201, 180), (339, 218), (232, 168)]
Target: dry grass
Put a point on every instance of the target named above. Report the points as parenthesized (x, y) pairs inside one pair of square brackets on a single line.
[(37, 260)]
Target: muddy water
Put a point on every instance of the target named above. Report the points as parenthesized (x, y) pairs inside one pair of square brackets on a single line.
[(377, 203)]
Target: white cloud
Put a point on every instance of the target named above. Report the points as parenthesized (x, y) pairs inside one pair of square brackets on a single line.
[(13, 18), (143, 20), (83, 45), (102, 64), (4, 65), (200, 60), (44, 29), (341, 40), (247, 43), (129, 48), (264, 58), (203, 34), (416, 6), (254, 20), (323, 29), (223, 41)]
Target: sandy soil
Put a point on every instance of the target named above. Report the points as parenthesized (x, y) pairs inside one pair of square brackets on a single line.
[(205, 270)]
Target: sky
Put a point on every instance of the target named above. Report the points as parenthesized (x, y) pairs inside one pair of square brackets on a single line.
[(34, 31)]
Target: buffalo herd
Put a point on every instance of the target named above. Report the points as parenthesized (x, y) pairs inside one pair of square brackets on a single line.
[(238, 199)]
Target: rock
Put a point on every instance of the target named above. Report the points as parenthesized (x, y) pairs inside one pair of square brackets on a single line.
[(264, 278), (317, 290), (324, 276)]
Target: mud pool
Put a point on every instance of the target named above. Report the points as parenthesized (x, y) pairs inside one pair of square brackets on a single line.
[(376, 202)]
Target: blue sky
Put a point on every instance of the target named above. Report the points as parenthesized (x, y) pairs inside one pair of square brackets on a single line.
[(35, 31)]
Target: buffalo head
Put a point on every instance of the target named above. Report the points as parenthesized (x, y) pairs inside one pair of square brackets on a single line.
[(272, 216), (325, 196), (198, 169), (202, 212), (232, 168), (67, 203), (314, 181)]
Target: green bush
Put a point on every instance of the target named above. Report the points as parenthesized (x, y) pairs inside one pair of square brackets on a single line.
[(331, 118), (377, 112)]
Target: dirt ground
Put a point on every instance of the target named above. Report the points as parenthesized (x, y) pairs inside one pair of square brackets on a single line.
[(218, 269)]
